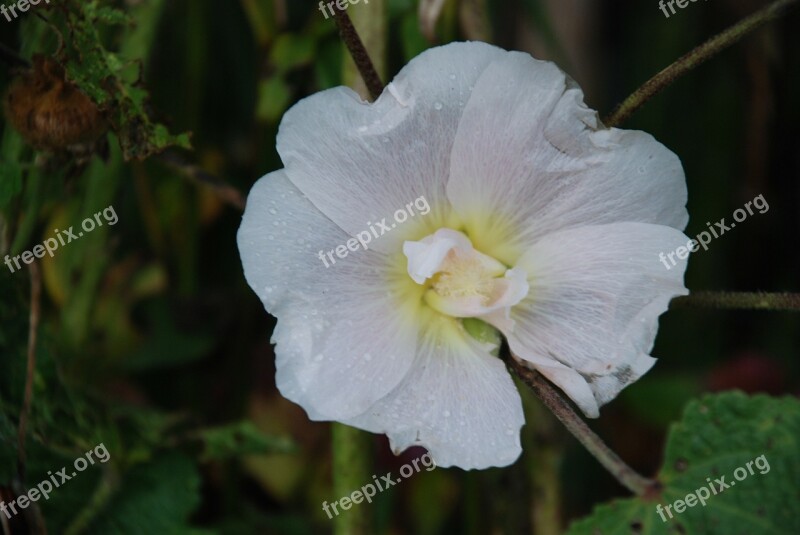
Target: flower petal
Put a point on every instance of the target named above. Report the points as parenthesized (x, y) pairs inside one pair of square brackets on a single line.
[(360, 162), (457, 401), (529, 159), (591, 317), (329, 359)]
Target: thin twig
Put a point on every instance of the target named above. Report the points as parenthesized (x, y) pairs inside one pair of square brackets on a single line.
[(627, 476), (359, 53), (739, 301), (694, 58), (36, 293), (224, 191)]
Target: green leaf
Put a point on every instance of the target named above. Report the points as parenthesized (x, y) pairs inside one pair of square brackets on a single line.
[(10, 182), (242, 438), (717, 438), (157, 497), (414, 43), (291, 51), (99, 73), (273, 99)]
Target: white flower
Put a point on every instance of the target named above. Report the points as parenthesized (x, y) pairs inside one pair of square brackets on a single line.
[(543, 223)]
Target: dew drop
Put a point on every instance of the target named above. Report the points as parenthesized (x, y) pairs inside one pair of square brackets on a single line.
[(438, 106), (452, 76), (362, 128), (367, 357), (446, 414), (319, 357), (273, 211)]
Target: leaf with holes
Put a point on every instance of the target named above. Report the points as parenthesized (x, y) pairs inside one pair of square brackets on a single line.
[(731, 467)]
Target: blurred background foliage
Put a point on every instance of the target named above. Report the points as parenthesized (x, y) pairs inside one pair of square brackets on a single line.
[(151, 342)]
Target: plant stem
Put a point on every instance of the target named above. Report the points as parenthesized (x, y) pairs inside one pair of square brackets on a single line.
[(198, 175), (358, 52), (351, 470), (627, 476), (22, 431), (694, 58), (542, 443), (739, 301), (370, 21)]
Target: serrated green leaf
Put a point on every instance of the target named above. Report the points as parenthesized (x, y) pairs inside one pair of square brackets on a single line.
[(98, 73), (717, 437), (158, 497)]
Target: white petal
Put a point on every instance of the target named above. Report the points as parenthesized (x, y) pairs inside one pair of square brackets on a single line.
[(426, 256), (591, 317), (528, 160), (458, 401), (342, 341), (359, 163)]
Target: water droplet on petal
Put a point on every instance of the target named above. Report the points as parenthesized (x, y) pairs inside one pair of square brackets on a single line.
[(452, 76), (273, 211), (367, 357), (446, 414), (438, 105)]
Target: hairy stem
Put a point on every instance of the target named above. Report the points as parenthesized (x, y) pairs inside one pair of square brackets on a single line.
[(627, 476), (351, 470), (542, 442), (739, 301), (694, 58)]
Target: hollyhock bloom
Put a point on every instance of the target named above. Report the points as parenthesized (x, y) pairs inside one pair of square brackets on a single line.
[(543, 224)]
